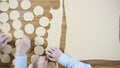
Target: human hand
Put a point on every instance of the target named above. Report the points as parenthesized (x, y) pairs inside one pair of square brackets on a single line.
[(42, 62), (22, 46), (53, 53), (3, 41)]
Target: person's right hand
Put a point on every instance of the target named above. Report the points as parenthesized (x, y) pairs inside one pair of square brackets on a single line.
[(53, 53), (3, 41), (22, 46), (42, 62)]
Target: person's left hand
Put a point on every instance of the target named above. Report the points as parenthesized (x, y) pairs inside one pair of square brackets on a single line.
[(42, 62), (3, 41), (22, 46)]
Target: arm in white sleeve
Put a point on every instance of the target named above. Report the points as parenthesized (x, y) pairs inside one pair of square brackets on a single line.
[(72, 62), (21, 61)]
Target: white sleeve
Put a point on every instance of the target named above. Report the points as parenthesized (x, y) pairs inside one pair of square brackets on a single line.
[(21, 61), (72, 62)]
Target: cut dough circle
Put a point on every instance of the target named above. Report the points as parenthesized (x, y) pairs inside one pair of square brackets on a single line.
[(13, 4), (44, 21), (17, 24), (5, 27), (14, 15), (7, 49), (25, 4), (28, 16), (34, 58), (38, 10), (38, 50), (9, 35), (5, 58), (4, 17), (40, 31), (29, 28), (18, 34), (13, 51), (39, 40), (4, 6)]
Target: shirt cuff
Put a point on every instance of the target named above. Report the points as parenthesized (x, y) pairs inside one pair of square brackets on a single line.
[(64, 60), (21, 61)]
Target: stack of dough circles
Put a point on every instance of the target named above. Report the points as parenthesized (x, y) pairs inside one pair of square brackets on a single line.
[(13, 51), (4, 6), (44, 21), (9, 35), (25, 4), (18, 33), (14, 15), (28, 16), (51, 65), (38, 50), (16, 24), (5, 27), (7, 49), (31, 65), (34, 58), (38, 40), (5, 58), (38, 10), (40, 31), (29, 28), (4, 17), (13, 4)]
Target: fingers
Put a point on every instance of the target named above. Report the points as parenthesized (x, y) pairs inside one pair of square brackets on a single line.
[(4, 38), (42, 59)]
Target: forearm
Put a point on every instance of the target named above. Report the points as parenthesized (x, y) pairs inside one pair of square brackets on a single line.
[(21, 61), (72, 62)]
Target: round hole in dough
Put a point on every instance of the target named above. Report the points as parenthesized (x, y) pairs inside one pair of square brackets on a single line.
[(4, 6), (38, 10), (4, 17), (34, 58), (40, 31), (16, 24), (51, 65), (18, 34), (13, 4), (28, 16), (25, 4), (5, 27), (7, 49), (29, 28), (9, 35), (39, 40), (5, 58), (13, 51), (44, 21), (14, 15), (38, 50)]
